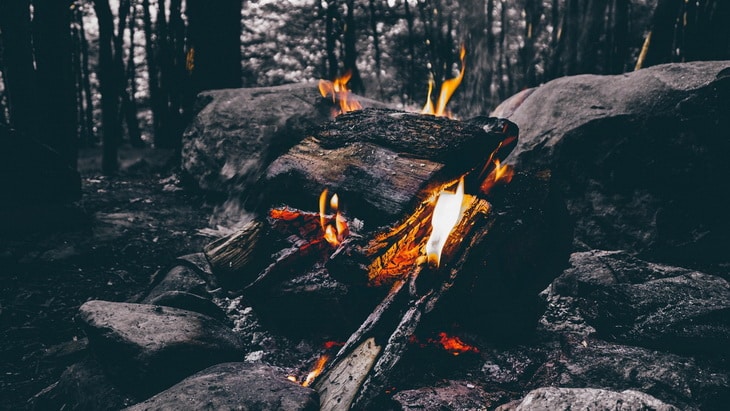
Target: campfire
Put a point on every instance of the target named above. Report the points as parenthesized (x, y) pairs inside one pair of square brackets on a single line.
[(399, 264)]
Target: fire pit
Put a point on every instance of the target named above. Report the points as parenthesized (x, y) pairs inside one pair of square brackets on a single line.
[(392, 257)]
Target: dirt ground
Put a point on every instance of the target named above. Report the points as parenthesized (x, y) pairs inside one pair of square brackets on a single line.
[(105, 246)]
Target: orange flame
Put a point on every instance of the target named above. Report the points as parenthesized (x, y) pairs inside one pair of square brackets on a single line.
[(334, 234), (446, 215), (316, 370), (454, 344), (340, 93), (447, 90), (501, 174)]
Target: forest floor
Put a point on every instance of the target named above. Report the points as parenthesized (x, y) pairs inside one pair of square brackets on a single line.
[(105, 246)]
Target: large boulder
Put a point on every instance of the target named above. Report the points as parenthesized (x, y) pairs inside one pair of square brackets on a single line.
[(147, 348), (641, 158), (236, 133), (234, 386)]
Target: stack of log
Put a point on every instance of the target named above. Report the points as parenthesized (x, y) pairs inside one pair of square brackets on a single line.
[(377, 286)]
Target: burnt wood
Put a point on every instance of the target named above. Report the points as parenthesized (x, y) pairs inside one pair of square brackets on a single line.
[(382, 162)]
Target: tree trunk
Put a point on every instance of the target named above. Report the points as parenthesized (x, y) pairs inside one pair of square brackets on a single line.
[(376, 40), (662, 46), (571, 27), (86, 84), (19, 72), (53, 49), (215, 54), (618, 55), (108, 85), (152, 68), (350, 56), (127, 108), (594, 16), (332, 18), (130, 106)]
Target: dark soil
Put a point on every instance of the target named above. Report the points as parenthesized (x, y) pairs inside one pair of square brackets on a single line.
[(105, 246)]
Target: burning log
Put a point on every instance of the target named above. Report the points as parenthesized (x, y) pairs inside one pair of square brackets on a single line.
[(383, 161), (385, 334)]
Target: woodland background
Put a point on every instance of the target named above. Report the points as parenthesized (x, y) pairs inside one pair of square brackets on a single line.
[(110, 72)]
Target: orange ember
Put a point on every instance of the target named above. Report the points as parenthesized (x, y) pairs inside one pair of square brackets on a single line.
[(337, 232), (328, 345), (340, 93), (316, 370), (454, 344), (447, 90), (501, 174)]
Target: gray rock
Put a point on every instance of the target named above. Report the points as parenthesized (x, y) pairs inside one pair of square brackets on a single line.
[(82, 386), (639, 157), (239, 386), (450, 395), (179, 278), (638, 302), (148, 348), (588, 362), (553, 399), (189, 273), (190, 302), (236, 133), (685, 314)]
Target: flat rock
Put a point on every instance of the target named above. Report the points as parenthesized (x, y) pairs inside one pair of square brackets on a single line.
[(553, 398), (639, 157), (234, 386), (147, 348)]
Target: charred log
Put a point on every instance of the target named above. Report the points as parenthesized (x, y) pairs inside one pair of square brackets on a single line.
[(382, 161)]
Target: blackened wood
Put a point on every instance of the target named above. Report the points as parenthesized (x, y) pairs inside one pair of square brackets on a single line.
[(528, 245), (396, 318), (381, 162)]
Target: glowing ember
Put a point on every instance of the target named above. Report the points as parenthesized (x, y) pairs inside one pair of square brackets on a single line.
[(446, 215), (291, 378), (334, 234), (340, 93), (501, 174), (447, 90), (328, 345), (454, 344), (316, 370)]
